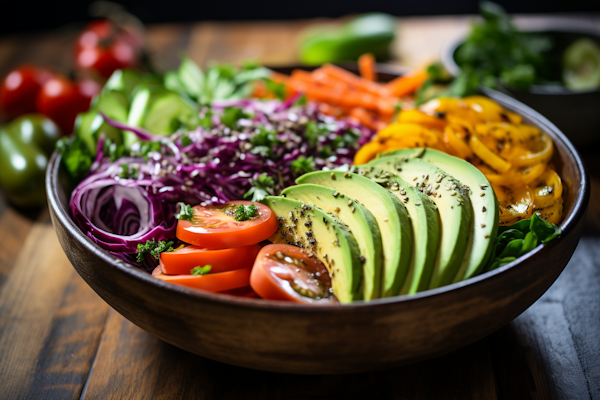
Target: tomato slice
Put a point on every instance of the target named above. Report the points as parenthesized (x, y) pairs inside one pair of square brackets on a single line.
[(215, 227), (285, 272), (181, 261), (211, 282)]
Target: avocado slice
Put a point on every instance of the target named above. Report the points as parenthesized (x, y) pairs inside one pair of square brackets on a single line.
[(453, 204), (390, 214), (324, 236), (483, 199), (425, 227), (361, 223)]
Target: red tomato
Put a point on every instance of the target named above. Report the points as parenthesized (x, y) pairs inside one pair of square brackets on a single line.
[(104, 47), (20, 88), (218, 282), (61, 100), (183, 260), (214, 227), (285, 272)]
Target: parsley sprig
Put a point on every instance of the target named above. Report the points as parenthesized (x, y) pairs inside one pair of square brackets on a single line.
[(244, 213), (186, 212), (153, 248)]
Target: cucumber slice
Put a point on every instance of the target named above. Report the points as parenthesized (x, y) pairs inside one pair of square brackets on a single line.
[(167, 113), (114, 104), (124, 81), (581, 65), (89, 126)]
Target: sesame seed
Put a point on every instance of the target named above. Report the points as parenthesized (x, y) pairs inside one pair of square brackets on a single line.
[(483, 225), (417, 204), (333, 176), (194, 173), (482, 194), (453, 186), (483, 186), (453, 193), (349, 202), (416, 177), (437, 186), (394, 188), (385, 219), (439, 179), (352, 209), (487, 236), (279, 254), (484, 209), (189, 182), (346, 174), (336, 193), (406, 199)]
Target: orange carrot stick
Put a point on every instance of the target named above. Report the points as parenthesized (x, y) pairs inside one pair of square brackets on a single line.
[(366, 66), (408, 83)]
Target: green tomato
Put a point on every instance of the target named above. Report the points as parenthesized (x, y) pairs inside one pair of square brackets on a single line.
[(23, 169), (35, 129)]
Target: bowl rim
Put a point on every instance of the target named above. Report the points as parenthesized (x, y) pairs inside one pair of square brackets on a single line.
[(580, 202), (451, 45)]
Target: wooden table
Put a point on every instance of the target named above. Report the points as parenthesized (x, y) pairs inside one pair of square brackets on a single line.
[(58, 339)]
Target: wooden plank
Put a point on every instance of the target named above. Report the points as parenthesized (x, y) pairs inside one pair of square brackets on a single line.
[(134, 365), (64, 361), (14, 227), (28, 301), (166, 43)]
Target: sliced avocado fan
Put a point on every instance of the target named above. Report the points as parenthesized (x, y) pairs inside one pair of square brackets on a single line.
[(454, 208), (484, 202), (425, 227), (323, 236), (390, 214), (359, 220)]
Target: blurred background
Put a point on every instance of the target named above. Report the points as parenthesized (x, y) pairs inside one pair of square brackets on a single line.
[(41, 15)]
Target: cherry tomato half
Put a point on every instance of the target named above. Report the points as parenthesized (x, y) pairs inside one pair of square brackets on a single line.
[(215, 227), (183, 260), (285, 272), (218, 282), (20, 88), (61, 100)]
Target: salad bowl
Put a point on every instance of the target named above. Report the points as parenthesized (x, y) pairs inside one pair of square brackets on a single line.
[(295, 338)]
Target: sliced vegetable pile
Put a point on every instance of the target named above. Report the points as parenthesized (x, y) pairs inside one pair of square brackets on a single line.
[(407, 217), (343, 94), (241, 149), (515, 157)]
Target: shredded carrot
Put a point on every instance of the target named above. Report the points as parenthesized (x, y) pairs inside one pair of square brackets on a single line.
[(366, 66), (408, 83)]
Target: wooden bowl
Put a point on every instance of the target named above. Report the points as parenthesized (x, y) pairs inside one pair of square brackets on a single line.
[(294, 338), (573, 112)]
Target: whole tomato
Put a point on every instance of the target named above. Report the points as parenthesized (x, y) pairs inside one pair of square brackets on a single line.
[(20, 88), (104, 47), (61, 100)]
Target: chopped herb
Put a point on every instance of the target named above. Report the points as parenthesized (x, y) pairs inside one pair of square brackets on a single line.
[(278, 89), (127, 172), (185, 140), (244, 213), (75, 155), (231, 116), (153, 248), (303, 165), (301, 101), (262, 186), (186, 212), (201, 270)]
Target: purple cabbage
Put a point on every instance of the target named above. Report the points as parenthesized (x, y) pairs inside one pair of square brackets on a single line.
[(126, 202)]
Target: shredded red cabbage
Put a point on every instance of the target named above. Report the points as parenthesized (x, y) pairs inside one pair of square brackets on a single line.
[(128, 201)]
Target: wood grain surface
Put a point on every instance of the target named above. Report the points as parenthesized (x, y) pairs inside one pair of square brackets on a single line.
[(59, 340)]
